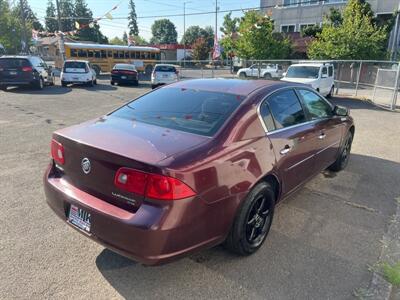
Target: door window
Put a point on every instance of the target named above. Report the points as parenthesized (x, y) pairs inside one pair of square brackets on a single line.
[(286, 109), (330, 70), (317, 107), (324, 72)]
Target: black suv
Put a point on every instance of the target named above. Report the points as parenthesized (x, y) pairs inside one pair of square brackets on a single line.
[(24, 70)]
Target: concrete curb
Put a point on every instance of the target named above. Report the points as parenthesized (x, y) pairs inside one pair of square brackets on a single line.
[(379, 288)]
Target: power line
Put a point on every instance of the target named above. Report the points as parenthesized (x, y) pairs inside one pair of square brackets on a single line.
[(201, 13)]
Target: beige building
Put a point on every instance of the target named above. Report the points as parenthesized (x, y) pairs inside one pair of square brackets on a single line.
[(293, 15)]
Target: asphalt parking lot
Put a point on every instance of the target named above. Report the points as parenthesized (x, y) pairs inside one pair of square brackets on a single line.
[(321, 245)]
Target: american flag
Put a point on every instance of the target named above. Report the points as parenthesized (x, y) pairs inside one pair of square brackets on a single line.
[(217, 49)]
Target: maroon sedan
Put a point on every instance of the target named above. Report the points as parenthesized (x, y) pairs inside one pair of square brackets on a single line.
[(194, 164)]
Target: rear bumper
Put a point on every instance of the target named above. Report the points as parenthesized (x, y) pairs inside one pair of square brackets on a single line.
[(155, 234), (16, 83), (119, 79)]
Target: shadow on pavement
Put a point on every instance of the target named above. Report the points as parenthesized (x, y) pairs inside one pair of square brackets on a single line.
[(321, 242), (47, 90), (356, 104)]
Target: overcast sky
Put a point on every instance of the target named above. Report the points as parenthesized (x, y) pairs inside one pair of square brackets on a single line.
[(116, 27)]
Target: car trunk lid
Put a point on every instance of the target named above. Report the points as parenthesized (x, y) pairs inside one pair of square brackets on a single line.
[(110, 143), (15, 69)]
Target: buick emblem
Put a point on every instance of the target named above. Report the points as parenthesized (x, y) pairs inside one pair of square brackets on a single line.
[(86, 167)]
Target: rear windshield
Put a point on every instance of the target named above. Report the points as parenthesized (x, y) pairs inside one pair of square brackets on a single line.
[(194, 111), (14, 63), (165, 69), (74, 67), (125, 67), (303, 72)]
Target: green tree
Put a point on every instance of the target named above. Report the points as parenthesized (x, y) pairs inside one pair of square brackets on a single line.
[(132, 18), (257, 39), (51, 21), (200, 49), (84, 16), (10, 29), (311, 31), (67, 15), (193, 33), (164, 32), (140, 40), (357, 37), (229, 28), (117, 41), (30, 17), (125, 38)]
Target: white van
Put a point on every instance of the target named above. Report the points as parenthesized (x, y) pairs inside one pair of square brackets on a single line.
[(319, 76)]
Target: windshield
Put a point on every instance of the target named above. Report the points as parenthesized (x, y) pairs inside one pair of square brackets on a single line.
[(165, 69), (75, 67), (124, 67), (303, 72), (194, 111)]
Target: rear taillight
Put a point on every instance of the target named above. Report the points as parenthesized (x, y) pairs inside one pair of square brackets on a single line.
[(27, 69), (152, 185), (57, 152), (114, 72)]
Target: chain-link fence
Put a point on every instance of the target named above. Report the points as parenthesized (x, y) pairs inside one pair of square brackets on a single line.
[(377, 81)]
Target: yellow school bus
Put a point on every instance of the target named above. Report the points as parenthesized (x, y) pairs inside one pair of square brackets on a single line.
[(104, 57)]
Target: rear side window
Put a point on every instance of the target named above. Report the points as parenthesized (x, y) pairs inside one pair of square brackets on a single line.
[(286, 109), (330, 71), (165, 69), (14, 63), (194, 111), (324, 71), (267, 116)]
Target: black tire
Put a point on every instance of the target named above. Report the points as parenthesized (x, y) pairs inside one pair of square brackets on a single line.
[(242, 75), (331, 92), (112, 83), (39, 84), (344, 155), (95, 82), (154, 87), (91, 83), (63, 84), (267, 76), (3, 88), (253, 220), (53, 81), (136, 82)]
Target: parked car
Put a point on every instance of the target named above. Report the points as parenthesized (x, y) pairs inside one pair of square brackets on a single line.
[(164, 74), (320, 76), (124, 74), (24, 71), (194, 164), (267, 71), (78, 72)]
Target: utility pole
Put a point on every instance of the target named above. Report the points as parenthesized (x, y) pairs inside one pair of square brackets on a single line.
[(216, 26), (60, 30), (395, 44), (184, 31), (24, 41)]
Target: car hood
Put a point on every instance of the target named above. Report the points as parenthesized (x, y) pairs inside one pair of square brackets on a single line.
[(132, 139)]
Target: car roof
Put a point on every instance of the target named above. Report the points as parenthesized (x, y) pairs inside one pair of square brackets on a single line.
[(164, 65), (229, 86), (19, 56), (311, 65), (73, 60)]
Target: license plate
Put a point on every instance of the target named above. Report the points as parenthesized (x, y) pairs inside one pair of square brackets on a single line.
[(123, 77), (79, 218), (13, 73)]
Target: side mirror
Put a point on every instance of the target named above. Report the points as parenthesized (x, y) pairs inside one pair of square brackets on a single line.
[(284, 74), (341, 111)]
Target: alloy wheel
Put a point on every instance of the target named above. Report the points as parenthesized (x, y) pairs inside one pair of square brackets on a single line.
[(258, 220)]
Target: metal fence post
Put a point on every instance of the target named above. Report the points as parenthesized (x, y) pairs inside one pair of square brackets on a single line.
[(358, 78), (396, 88), (202, 73), (339, 77)]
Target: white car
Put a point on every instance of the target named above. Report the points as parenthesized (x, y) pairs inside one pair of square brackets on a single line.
[(267, 71), (78, 72), (320, 76), (164, 74)]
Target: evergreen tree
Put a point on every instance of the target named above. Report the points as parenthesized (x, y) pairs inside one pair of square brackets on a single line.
[(67, 13), (125, 38), (164, 32), (84, 16), (51, 21), (30, 16), (133, 27)]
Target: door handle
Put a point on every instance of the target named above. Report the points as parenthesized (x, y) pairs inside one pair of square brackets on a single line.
[(322, 136), (286, 150)]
